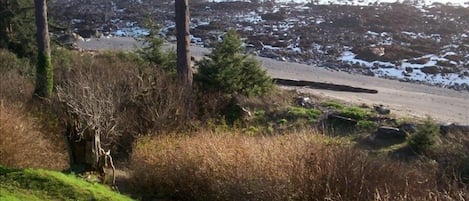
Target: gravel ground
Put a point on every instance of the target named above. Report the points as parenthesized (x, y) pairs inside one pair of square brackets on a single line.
[(444, 105)]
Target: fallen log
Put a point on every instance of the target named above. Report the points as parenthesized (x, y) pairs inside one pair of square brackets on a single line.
[(322, 85)]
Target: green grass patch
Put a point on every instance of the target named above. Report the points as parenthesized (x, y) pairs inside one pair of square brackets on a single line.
[(354, 113), (333, 105), (34, 184), (366, 124), (299, 112)]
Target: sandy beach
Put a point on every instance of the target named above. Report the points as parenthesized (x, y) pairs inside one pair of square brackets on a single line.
[(406, 99)]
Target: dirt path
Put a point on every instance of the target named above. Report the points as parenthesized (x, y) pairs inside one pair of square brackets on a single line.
[(408, 99)]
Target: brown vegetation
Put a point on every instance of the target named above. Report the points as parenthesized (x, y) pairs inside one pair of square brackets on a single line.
[(27, 142), (29, 135), (118, 97), (124, 99), (300, 166)]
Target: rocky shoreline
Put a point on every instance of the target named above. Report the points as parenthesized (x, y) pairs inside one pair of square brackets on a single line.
[(419, 44)]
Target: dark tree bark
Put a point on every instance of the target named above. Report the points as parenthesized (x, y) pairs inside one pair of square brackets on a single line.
[(5, 24), (184, 69), (44, 71)]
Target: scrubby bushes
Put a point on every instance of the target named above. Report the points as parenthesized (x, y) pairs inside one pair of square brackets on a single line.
[(426, 137), (25, 141), (109, 95), (151, 50), (229, 71), (29, 135), (299, 166)]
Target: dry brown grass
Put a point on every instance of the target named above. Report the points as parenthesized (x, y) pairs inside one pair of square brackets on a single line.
[(27, 142), (29, 134), (302, 166)]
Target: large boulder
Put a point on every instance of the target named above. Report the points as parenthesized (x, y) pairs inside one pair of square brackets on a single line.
[(385, 132), (454, 128), (409, 128), (380, 109), (341, 120), (433, 70)]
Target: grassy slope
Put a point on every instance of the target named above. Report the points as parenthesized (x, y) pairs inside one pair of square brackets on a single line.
[(32, 184)]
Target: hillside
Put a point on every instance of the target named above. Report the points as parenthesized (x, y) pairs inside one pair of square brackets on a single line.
[(36, 184)]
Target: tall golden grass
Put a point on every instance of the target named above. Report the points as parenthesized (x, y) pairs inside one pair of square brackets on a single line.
[(25, 142), (300, 166), (29, 134)]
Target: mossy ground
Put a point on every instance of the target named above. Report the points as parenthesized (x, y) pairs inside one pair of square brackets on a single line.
[(37, 184)]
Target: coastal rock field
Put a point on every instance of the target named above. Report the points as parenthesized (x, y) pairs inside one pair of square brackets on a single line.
[(419, 43)]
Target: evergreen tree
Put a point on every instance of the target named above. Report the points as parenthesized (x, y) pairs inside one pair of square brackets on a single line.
[(152, 49), (230, 71), (17, 27)]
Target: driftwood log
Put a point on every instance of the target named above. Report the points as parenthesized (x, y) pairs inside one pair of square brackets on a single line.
[(322, 85)]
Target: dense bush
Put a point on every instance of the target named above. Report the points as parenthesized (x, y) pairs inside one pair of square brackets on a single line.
[(426, 137), (229, 71), (26, 141), (10, 62), (16, 78), (17, 28), (109, 95), (298, 166), (152, 51), (29, 133)]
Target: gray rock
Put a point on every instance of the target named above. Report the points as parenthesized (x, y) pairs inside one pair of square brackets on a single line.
[(345, 121), (409, 70), (408, 127), (382, 110), (454, 128), (386, 132)]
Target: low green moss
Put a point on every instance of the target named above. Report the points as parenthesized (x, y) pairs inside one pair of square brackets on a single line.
[(299, 112), (34, 184), (366, 124), (333, 105), (354, 113)]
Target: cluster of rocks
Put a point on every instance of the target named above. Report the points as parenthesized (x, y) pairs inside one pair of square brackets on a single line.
[(306, 33)]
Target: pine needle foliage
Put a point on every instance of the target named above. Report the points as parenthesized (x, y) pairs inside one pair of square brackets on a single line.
[(229, 71), (426, 137), (152, 50)]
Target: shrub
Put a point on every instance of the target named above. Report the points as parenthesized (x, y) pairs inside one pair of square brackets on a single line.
[(108, 94), (366, 124), (16, 80), (10, 62), (152, 52), (27, 142), (354, 113), (425, 138), (62, 58), (27, 137), (453, 156), (311, 115), (229, 71), (300, 166), (332, 104)]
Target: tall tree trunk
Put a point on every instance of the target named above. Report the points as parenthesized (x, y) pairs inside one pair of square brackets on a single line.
[(184, 69), (9, 25), (5, 25), (44, 71)]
